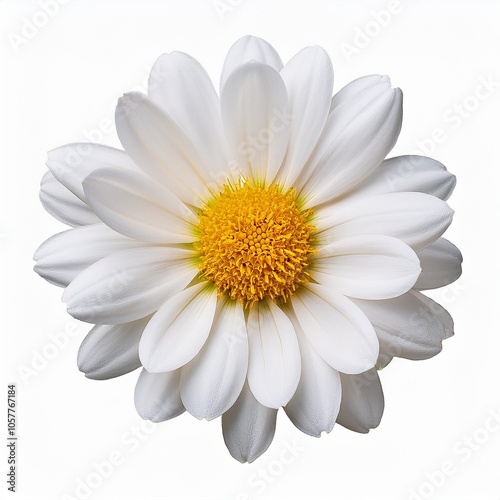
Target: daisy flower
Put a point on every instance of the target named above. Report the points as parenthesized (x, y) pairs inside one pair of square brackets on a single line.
[(253, 251)]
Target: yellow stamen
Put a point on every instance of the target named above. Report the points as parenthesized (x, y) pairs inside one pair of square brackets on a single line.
[(255, 242)]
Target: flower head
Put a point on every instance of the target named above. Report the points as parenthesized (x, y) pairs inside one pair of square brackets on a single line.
[(252, 251)]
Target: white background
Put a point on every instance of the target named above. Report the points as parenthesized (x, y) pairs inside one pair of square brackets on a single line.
[(61, 82)]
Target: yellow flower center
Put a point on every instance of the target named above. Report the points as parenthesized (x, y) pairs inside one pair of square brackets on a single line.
[(255, 242)]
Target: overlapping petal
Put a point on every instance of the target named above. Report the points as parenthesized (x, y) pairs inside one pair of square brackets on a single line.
[(63, 205), (246, 49), (138, 207), (65, 255), (161, 148), (368, 267), (274, 365), (248, 427), (407, 326), (440, 312), (165, 344), (129, 285), (157, 396), (358, 135), (362, 403), (315, 405), (72, 163), (212, 381), (253, 103), (418, 219), (181, 86), (410, 173), (336, 328), (441, 265), (308, 77), (110, 351), (356, 88)]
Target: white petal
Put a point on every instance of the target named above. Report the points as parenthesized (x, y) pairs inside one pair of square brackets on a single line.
[(309, 81), (161, 148), (407, 326), (63, 204), (65, 255), (441, 265), (417, 219), (177, 332), (315, 405), (70, 164), (157, 396), (212, 381), (404, 173), (362, 403), (110, 351), (274, 365), (129, 285), (358, 135), (439, 311), (254, 105), (138, 207), (248, 427), (354, 88), (182, 87), (367, 267), (246, 49), (337, 329)]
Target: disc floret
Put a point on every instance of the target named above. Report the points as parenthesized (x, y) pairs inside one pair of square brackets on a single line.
[(255, 242)]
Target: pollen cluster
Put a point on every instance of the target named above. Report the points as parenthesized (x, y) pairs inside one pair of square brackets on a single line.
[(254, 242)]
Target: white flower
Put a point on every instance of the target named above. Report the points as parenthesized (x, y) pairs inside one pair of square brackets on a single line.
[(252, 252)]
